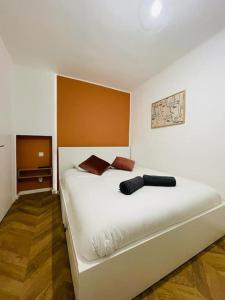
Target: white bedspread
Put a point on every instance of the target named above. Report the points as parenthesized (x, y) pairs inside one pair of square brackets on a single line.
[(106, 220)]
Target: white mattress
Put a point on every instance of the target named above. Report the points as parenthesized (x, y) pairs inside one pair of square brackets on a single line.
[(106, 220)]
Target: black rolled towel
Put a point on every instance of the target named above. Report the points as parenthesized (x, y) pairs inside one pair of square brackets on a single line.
[(128, 187), (159, 180)]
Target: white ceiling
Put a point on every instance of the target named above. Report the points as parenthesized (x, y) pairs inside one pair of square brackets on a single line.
[(103, 41)]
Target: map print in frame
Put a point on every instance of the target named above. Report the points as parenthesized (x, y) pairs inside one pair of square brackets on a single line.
[(169, 111)]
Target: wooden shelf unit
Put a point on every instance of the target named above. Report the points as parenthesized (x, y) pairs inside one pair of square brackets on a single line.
[(34, 171)]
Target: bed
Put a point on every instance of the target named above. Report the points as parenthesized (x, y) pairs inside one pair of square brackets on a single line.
[(131, 241)]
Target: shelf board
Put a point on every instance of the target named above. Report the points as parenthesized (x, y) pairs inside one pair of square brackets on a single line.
[(32, 173), (35, 169), (34, 176)]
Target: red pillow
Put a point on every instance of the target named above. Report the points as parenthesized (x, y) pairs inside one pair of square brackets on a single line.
[(95, 165), (123, 163)]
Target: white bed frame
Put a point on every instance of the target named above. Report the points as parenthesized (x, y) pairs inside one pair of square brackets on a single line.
[(134, 268)]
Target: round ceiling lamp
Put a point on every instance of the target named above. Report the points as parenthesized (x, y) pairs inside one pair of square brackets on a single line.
[(153, 14), (156, 8)]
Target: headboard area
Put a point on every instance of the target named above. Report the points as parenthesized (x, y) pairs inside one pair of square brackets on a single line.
[(70, 156)]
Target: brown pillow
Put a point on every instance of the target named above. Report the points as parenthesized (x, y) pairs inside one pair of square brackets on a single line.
[(95, 165), (123, 163)]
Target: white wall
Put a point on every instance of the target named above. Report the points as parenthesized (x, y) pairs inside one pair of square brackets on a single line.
[(197, 148), (7, 170), (34, 101), (35, 105)]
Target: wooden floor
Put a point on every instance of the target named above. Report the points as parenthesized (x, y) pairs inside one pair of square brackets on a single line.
[(33, 255), (34, 260)]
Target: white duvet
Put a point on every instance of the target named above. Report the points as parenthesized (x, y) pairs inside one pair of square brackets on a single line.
[(106, 220)]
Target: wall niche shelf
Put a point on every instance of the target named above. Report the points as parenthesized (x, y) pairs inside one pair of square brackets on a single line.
[(34, 162), (34, 173)]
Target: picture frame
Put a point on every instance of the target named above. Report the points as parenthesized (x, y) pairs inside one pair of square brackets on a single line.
[(169, 111)]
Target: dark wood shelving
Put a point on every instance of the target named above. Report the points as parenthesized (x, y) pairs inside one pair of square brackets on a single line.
[(34, 162), (34, 173)]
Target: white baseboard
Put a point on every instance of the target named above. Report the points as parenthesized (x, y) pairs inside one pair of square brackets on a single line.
[(33, 191), (55, 192)]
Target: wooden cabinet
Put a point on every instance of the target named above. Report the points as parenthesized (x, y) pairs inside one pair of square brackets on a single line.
[(34, 162)]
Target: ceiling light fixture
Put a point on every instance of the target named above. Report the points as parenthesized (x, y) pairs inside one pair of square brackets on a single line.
[(154, 15), (156, 8)]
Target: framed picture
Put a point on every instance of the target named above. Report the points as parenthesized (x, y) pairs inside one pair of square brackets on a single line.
[(169, 111)]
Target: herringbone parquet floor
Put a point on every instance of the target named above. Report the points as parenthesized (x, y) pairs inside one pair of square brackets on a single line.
[(33, 255), (34, 260), (201, 278)]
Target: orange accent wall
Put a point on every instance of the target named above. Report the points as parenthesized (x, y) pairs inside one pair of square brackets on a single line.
[(27, 151), (27, 148), (91, 115)]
